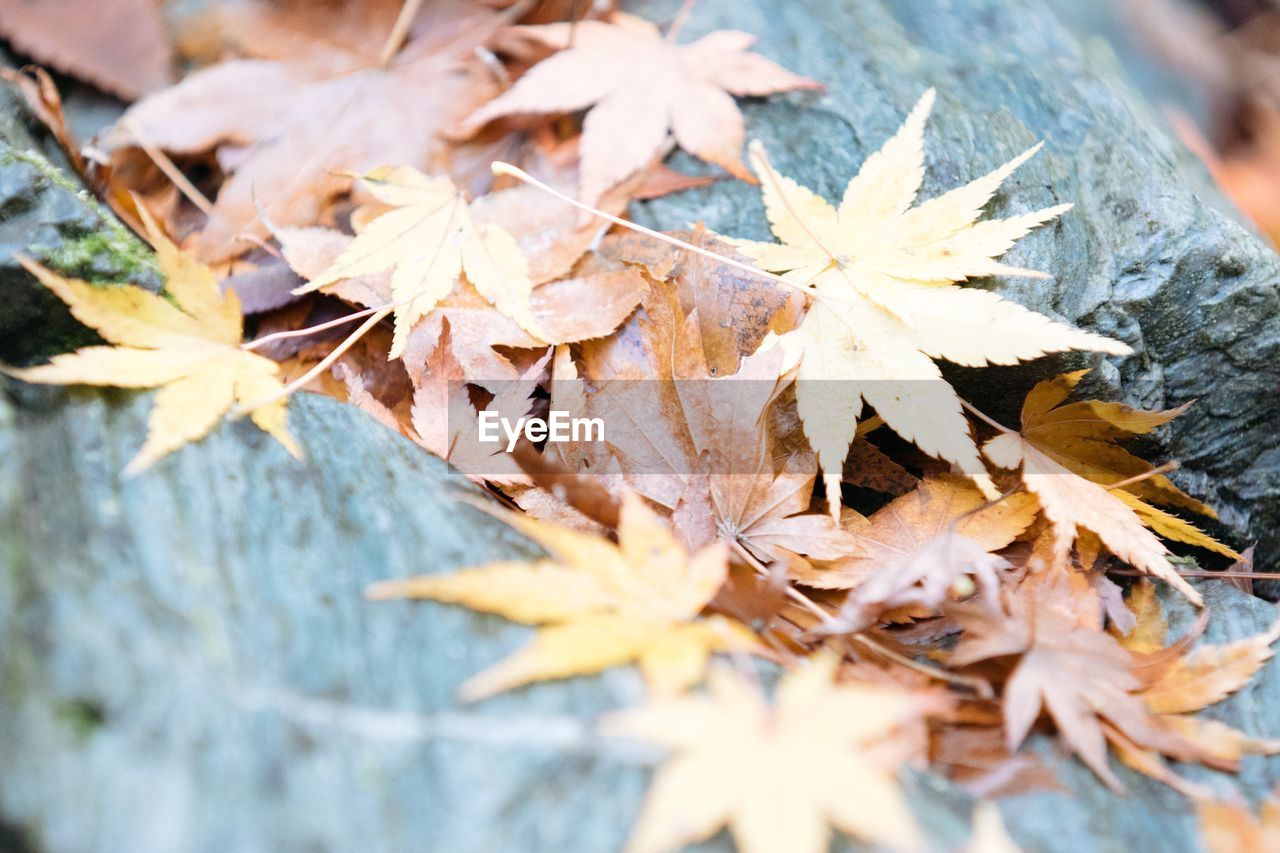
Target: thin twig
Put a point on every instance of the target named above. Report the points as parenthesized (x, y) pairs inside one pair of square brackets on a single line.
[(989, 421), (171, 171), (320, 367), (678, 22), (501, 168), (978, 685), (399, 31), (1145, 475), (1203, 573), (309, 330)]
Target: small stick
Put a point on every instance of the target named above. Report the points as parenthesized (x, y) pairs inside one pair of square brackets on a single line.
[(320, 367), (501, 168), (399, 32), (678, 22), (309, 330), (978, 685), (171, 171), (1146, 475), (1203, 573)]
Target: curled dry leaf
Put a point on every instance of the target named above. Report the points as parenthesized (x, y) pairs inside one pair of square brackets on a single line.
[(600, 605), (637, 86), (884, 304), (823, 755), (923, 579), (188, 347)]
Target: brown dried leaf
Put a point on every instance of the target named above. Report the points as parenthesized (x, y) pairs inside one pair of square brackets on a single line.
[(637, 86), (120, 46), (289, 130)]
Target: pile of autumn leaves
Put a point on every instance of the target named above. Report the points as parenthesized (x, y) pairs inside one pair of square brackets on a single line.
[(941, 628)]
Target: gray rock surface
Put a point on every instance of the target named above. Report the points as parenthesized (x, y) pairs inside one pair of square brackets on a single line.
[(1146, 255), (186, 659), (188, 662)]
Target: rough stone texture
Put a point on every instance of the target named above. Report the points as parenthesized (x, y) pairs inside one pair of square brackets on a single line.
[(45, 214), (1146, 256), (188, 662)]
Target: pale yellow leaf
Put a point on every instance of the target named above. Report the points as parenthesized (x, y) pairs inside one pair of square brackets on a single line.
[(885, 304)]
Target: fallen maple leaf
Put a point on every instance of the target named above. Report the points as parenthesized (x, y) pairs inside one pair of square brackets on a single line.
[(894, 535), (1228, 826), (556, 307), (430, 239), (323, 104), (120, 46), (1074, 505), (824, 754), (1081, 437), (767, 513), (881, 275), (601, 605), (638, 86), (188, 347), (1188, 682), (1067, 666)]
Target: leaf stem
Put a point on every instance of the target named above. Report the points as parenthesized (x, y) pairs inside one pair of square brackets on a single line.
[(681, 18), (309, 330), (320, 367), (399, 31), (167, 166), (1171, 465), (988, 420), (501, 168)]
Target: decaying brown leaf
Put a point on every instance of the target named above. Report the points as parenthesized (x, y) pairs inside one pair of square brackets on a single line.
[(319, 105), (120, 46), (636, 86)]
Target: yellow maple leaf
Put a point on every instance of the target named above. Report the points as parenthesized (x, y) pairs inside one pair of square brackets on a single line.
[(885, 305), (1081, 437), (601, 605), (1227, 826), (430, 239), (824, 754), (1075, 506), (188, 345)]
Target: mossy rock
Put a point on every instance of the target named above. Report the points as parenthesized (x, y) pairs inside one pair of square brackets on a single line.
[(47, 215)]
